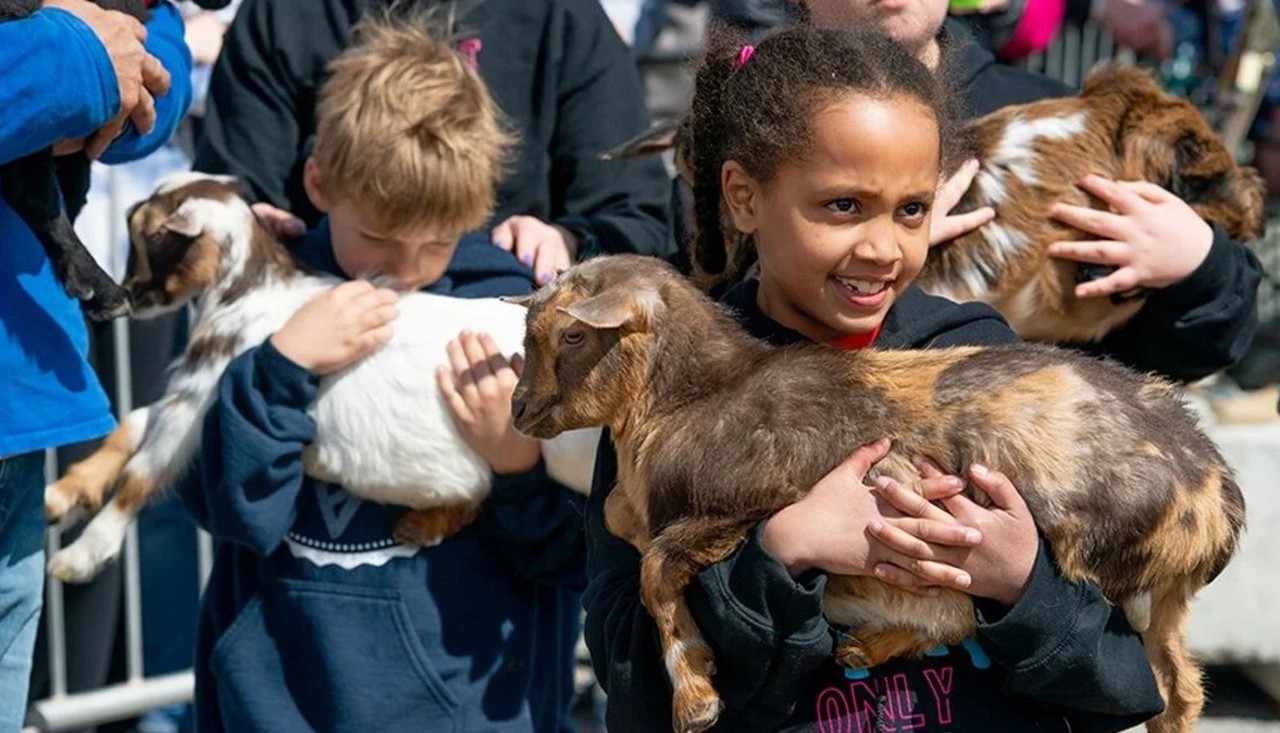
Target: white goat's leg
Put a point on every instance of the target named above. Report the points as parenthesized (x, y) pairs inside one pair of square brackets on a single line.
[(168, 445), (86, 482)]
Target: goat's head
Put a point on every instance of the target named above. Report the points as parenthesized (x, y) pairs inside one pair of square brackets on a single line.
[(589, 341), (182, 239), (1165, 140)]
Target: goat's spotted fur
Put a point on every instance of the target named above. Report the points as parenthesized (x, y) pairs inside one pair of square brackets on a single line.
[(716, 431), (382, 429)]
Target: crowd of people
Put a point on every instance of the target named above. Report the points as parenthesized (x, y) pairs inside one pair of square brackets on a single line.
[(455, 146)]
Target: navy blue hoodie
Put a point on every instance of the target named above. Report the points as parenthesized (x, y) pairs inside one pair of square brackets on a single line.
[(1059, 660), (315, 619)]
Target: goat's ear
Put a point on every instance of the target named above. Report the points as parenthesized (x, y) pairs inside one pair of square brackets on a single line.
[(614, 308), (182, 221), (660, 138), (524, 301)]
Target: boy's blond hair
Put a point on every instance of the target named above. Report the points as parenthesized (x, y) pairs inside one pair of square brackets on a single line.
[(407, 129)]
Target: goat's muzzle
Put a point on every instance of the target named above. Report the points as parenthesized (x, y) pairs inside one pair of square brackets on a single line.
[(531, 421)]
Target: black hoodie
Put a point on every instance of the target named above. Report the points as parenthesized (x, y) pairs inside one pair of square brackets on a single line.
[(556, 68), (1186, 331), (1059, 660)]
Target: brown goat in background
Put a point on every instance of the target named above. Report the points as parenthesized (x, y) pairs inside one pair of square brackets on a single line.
[(1122, 126), (1124, 486)]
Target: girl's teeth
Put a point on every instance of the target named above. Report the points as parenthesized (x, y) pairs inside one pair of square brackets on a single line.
[(864, 287)]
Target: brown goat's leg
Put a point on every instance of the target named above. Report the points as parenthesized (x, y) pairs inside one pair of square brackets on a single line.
[(87, 481), (426, 527), (864, 649), (675, 557), (1176, 671)]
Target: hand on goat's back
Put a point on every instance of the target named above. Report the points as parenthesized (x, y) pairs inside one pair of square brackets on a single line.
[(477, 387), (338, 327), (986, 552)]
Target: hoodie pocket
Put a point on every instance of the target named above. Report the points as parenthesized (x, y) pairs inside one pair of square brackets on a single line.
[(328, 657)]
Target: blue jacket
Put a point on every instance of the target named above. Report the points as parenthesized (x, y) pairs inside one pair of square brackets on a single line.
[(315, 619), (57, 82)]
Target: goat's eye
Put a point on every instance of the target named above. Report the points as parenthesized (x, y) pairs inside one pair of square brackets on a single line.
[(572, 338)]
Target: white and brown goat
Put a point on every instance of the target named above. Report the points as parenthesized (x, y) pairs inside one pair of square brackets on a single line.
[(382, 430), (1122, 483), (1121, 125)]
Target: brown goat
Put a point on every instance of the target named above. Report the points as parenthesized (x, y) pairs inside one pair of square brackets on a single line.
[(1122, 126), (715, 431)]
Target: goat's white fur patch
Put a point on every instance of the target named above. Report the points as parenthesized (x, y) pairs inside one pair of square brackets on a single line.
[(99, 542), (1137, 611), (174, 181), (1016, 151)]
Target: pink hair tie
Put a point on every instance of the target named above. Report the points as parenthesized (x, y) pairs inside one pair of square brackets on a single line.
[(744, 55), (470, 49)]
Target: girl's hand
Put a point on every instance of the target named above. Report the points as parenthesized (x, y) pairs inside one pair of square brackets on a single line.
[(944, 227), (1153, 238), (827, 529), (547, 249), (477, 389), (998, 566), (338, 327)]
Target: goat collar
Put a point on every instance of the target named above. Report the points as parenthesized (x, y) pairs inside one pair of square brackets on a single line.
[(856, 341)]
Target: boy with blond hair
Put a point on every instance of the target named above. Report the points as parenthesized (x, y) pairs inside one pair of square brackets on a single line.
[(316, 617)]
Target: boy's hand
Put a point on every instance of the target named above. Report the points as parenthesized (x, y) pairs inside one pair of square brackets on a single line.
[(944, 227), (827, 529), (339, 327), (998, 566), (477, 389), (547, 249), (1154, 239)]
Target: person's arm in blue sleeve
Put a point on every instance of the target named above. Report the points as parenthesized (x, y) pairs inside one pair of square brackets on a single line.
[(251, 450), (165, 41), (49, 45)]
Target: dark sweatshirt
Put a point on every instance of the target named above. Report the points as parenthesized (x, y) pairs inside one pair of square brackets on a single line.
[(316, 619), (1186, 331), (556, 68), (1059, 660)]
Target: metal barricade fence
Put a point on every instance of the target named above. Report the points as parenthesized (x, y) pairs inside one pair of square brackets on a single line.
[(1069, 58)]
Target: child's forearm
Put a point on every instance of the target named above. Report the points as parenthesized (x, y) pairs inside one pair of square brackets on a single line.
[(538, 524), (1198, 326), (254, 433), (1063, 644)]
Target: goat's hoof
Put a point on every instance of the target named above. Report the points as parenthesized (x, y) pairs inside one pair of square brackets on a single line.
[(108, 304), (73, 565), (853, 656), (407, 533), (695, 713), (429, 527), (58, 501)]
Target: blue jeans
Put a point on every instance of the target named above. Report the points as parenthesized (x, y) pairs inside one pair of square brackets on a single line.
[(22, 527)]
